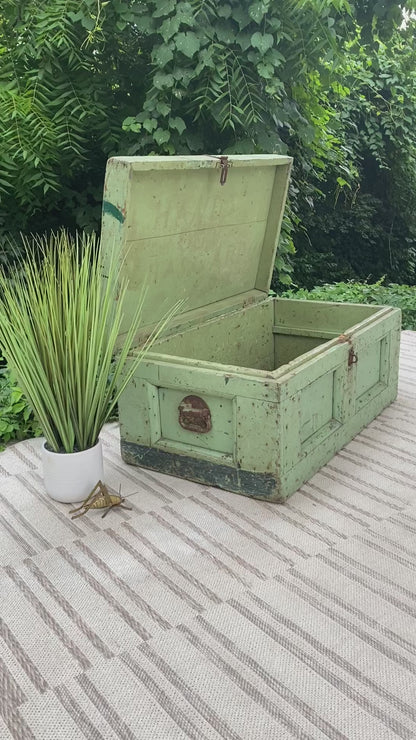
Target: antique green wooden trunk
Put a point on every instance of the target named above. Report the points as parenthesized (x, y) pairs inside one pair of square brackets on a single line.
[(249, 393)]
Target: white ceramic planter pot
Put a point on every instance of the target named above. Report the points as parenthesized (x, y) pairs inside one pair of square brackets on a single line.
[(70, 477)]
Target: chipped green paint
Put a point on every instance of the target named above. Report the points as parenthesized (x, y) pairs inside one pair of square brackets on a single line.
[(274, 374), (112, 210), (272, 429)]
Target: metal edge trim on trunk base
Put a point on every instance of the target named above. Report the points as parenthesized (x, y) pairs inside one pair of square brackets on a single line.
[(257, 485)]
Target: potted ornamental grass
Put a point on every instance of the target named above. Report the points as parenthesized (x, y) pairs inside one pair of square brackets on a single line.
[(61, 334)]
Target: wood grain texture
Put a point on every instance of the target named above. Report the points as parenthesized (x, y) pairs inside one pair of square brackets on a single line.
[(285, 383)]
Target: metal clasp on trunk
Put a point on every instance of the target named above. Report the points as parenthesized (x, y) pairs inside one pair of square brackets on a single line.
[(225, 165), (194, 415), (352, 358)]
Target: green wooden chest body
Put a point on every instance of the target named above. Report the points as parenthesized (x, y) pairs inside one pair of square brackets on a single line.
[(245, 392)]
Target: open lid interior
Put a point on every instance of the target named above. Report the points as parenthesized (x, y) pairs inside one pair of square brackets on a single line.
[(187, 236)]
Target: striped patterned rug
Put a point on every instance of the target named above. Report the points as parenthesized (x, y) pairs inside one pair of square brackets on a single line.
[(201, 614)]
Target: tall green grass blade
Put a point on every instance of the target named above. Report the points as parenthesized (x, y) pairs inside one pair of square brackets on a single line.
[(60, 324)]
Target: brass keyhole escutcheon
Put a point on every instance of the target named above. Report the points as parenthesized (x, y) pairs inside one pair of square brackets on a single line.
[(194, 415)]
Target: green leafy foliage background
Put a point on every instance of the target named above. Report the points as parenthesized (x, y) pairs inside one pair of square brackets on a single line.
[(16, 418), (331, 82), (379, 293)]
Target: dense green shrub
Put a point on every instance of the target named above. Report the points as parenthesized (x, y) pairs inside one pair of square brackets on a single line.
[(401, 296), (364, 224), (81, 80), (16, 418), (364, 240)]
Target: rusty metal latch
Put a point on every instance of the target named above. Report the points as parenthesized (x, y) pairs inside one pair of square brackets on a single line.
[(224, 163), (352, 357), (194, 415)]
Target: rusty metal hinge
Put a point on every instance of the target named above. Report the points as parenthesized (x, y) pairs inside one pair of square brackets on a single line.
[(352, 357), (194, 415), (224, 163)]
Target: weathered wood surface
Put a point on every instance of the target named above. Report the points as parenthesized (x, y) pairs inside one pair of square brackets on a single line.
[(286, 383), (272, 430), (186, 236)]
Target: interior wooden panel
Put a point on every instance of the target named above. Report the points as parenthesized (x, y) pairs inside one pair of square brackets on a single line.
[(168, 203), (288, 348), (250, 338), (189, 237), (244, 338), (273, 226), (320, 315), (201, 267)]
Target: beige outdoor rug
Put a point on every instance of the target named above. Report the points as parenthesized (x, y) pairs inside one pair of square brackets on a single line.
[(202, 614)]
